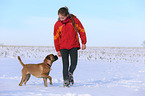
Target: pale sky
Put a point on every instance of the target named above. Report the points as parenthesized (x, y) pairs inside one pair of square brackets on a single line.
[(115, 23)]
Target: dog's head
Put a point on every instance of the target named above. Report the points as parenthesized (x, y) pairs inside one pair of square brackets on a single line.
[(50, 58)]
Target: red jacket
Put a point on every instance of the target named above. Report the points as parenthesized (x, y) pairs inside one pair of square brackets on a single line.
[(65, 36)]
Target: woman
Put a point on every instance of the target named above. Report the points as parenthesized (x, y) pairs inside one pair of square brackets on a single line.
[(66, 42)]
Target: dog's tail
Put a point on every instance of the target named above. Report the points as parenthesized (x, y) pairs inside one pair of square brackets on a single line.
[(20, 61)]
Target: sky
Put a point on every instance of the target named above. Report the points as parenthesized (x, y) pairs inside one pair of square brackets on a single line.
[(108, 23)]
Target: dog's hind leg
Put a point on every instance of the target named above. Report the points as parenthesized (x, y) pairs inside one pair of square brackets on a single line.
[(45, 81), (27, 78), (23, 77)]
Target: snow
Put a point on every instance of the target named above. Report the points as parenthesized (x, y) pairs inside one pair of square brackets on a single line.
[(101, 71)]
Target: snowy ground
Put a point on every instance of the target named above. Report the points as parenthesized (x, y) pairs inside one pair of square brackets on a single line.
[(100, 72)]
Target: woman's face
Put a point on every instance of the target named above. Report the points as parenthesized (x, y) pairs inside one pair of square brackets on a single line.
[(62, 18)]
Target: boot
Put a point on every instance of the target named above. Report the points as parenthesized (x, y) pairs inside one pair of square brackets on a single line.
[(66, 83), (71, 80)]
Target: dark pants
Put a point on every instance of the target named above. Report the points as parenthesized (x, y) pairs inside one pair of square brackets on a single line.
[(65, 59)]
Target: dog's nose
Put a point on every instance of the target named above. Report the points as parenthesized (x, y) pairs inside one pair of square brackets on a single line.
[(55, 57)]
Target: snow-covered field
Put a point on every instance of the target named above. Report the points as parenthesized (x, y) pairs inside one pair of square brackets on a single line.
[(101, 71)]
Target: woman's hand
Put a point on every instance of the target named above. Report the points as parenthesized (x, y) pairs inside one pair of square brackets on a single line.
[(83, 46), (59, 54)]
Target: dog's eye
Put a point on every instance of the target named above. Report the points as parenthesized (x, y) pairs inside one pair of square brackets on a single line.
[(48, 57)]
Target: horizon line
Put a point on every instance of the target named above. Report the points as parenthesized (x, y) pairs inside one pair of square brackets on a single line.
[(1, 45)]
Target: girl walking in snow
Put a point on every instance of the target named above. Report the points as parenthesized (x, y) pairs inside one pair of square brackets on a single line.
[(66, 41)]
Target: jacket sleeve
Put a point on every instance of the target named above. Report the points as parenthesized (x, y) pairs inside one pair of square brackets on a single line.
[(81, 31), (56, 37)]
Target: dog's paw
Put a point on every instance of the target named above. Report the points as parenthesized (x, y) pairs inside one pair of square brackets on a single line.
[(50, 83)]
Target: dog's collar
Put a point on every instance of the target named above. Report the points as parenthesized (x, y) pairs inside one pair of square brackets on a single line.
[(47, 64)]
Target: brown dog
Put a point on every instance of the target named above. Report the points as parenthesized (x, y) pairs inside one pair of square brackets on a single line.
[(38, 70)]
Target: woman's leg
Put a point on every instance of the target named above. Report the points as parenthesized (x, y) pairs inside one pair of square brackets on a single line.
[(74, 58), (65, 59)]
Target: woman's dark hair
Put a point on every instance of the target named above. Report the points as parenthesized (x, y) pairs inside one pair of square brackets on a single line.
[(63, 11)]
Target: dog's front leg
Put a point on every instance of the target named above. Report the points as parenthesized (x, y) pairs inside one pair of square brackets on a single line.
[(46, 76), (45, 81)]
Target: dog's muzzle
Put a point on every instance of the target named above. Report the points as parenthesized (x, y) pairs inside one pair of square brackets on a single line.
[(55, 57)]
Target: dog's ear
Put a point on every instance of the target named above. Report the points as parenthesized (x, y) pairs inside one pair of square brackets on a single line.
[(48, 57)]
